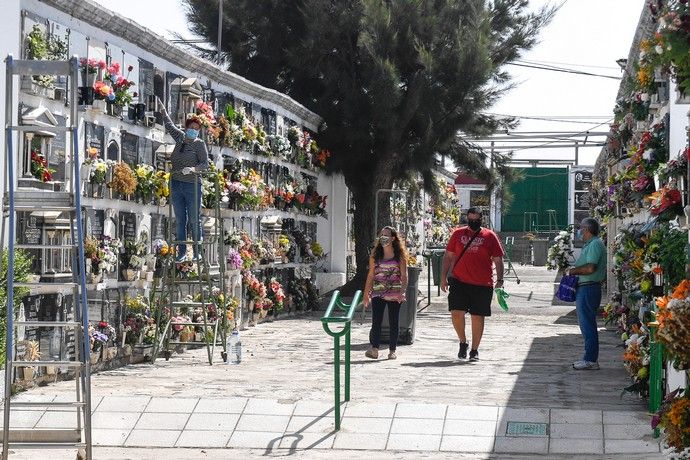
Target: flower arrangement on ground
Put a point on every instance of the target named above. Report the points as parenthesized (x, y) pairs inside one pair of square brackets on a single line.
[(256, 290), (276, 294), (100, 334)]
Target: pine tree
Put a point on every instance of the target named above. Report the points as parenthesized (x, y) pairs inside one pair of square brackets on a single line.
[(395, 81)]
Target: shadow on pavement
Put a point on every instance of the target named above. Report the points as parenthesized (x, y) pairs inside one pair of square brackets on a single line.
[(547, 378), (437, 364), (569, 318)]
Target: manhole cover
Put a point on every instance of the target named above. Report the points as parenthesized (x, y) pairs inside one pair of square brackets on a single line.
[(526, 429)]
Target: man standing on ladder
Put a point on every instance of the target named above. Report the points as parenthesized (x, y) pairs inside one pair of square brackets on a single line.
[(470, 255)]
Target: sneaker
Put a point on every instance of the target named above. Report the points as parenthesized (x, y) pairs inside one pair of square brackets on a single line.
[(180, 259), (586, 366), (372, 353), (474, 355), (392, 355), (462, 353)]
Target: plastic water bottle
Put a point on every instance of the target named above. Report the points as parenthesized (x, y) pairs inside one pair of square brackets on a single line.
[(234, 348)]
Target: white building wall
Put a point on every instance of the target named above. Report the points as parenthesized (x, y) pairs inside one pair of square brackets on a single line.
[(332, 233)]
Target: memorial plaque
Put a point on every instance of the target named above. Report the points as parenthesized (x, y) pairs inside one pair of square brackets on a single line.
[(583, 180), (130, 149), (145, 80), (145, 151), (582, 201), (32, 231), (95, 221), (175, 97), (95, 138), (128, 226)]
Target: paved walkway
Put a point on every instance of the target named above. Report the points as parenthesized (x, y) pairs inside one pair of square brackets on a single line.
[(142, 421), (280, 398)]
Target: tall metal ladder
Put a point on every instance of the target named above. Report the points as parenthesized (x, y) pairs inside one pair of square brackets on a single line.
[(175, 288), (14, 201)]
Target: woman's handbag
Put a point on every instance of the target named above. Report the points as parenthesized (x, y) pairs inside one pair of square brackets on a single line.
[(567, 289)]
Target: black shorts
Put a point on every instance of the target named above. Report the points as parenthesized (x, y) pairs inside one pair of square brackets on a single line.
[(476, 300)]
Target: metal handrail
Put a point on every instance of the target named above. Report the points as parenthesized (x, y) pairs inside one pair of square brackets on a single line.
[(329, 318)]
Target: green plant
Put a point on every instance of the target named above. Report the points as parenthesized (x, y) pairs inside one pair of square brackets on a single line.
[(44, 46), (22, 270)]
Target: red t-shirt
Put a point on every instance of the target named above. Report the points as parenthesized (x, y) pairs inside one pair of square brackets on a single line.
[(476, 266)]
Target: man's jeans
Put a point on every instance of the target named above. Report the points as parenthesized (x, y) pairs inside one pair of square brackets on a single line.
[(186, 211), (587, 302)]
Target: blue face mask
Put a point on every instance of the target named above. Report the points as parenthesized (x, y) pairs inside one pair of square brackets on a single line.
[(578, 234), (192, 133)]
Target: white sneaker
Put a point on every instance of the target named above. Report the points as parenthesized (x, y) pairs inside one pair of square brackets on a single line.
[(586, 366)]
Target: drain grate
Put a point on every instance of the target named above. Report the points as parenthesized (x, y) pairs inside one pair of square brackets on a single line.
[(527, 429)]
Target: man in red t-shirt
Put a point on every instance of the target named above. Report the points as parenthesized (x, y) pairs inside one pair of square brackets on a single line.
[(471, 252)]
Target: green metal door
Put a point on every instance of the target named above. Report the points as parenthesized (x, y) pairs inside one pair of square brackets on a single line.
[(540, 190)]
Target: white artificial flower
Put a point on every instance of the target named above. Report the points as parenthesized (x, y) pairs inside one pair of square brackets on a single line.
[(644, 97)]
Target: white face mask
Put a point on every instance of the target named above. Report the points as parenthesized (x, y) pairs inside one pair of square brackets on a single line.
[(385, 240)]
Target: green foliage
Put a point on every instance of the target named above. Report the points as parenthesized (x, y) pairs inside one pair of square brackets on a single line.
[(663, 247), (44, 46), (22, 269), (395, 82)]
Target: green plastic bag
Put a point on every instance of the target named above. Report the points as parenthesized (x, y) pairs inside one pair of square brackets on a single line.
[(501, 296)]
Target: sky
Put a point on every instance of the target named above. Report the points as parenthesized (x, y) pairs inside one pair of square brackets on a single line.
[(586, 35)]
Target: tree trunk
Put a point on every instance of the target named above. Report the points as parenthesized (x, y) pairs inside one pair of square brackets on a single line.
[(365, 223)]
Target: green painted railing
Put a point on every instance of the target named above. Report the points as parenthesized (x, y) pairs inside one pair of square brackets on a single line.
[(656, 372), (340, 313)]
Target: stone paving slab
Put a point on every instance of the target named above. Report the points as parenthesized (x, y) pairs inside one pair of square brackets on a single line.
[(610, 432)]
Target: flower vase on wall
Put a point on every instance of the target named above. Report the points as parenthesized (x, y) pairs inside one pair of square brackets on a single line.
[(99, 105), (88, 79)]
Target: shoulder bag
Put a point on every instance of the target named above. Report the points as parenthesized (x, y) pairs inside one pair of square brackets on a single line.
[(469, 243)]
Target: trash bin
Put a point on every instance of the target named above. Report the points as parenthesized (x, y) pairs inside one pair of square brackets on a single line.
[(540, 250), (408, 311), (436, 259)]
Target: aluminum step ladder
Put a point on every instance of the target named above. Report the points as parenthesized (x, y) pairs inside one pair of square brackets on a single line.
[(26, 200), (177, 290)]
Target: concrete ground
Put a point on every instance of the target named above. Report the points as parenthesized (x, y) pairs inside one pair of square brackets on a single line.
[(279, 399)]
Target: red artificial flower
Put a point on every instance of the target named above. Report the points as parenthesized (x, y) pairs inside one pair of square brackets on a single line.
[(130, 68)]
